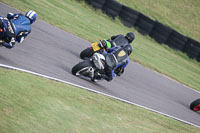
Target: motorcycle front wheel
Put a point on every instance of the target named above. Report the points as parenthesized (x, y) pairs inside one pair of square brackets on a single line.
[(82, 68)]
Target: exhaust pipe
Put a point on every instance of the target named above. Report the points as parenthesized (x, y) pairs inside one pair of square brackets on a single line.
[(91, 72)]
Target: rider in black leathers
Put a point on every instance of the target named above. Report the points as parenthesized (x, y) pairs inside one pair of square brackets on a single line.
[(117, 58), (114, 46), (121, 40)]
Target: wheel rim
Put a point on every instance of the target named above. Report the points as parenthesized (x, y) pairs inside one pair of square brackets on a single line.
[(78, 73)]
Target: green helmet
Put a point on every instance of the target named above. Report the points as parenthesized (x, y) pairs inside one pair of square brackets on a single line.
[(105, 44)]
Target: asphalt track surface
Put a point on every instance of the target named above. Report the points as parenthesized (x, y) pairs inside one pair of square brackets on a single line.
[(53, 52)]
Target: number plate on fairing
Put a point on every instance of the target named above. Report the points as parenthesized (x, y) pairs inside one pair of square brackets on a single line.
[(95, 46)]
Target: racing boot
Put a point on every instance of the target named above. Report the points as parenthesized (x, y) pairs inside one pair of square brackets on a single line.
[(97, 76)]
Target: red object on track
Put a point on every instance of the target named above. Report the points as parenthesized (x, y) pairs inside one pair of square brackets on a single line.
[(195, 105)]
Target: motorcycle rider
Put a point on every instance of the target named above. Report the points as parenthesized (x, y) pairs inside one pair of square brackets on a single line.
[(118, 40), (117, 44), (116, 60), (16, 28)]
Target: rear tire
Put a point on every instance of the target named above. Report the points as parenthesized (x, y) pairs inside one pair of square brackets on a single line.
[(87, 53), (80, 66), (195, 105)]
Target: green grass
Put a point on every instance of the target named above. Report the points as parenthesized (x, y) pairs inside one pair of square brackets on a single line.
[(81, 20), (181, 15), (32, 104)]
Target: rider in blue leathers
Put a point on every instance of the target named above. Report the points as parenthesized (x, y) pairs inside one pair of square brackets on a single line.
[(15, 28)]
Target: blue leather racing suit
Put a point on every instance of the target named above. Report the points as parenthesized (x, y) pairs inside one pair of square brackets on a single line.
[(15, 28)]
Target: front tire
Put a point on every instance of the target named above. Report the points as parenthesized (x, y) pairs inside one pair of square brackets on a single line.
[(82, 67), (87, 53), (195, 105)]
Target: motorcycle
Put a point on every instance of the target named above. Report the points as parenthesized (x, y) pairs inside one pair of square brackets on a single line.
[(95, 66), (90, 67), (93, 52), (195, 105)]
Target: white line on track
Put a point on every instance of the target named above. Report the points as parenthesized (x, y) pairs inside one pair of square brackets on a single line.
[(59, 80)]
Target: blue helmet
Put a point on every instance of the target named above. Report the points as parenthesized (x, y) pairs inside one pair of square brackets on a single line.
[(31, 15)]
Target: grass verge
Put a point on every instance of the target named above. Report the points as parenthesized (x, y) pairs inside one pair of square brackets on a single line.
[(32, 104)]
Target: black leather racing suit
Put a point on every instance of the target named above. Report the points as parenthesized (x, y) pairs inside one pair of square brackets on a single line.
[(118, 40), (115, 59)]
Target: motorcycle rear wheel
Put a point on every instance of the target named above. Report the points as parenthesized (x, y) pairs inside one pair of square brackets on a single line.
[(87, 53)]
